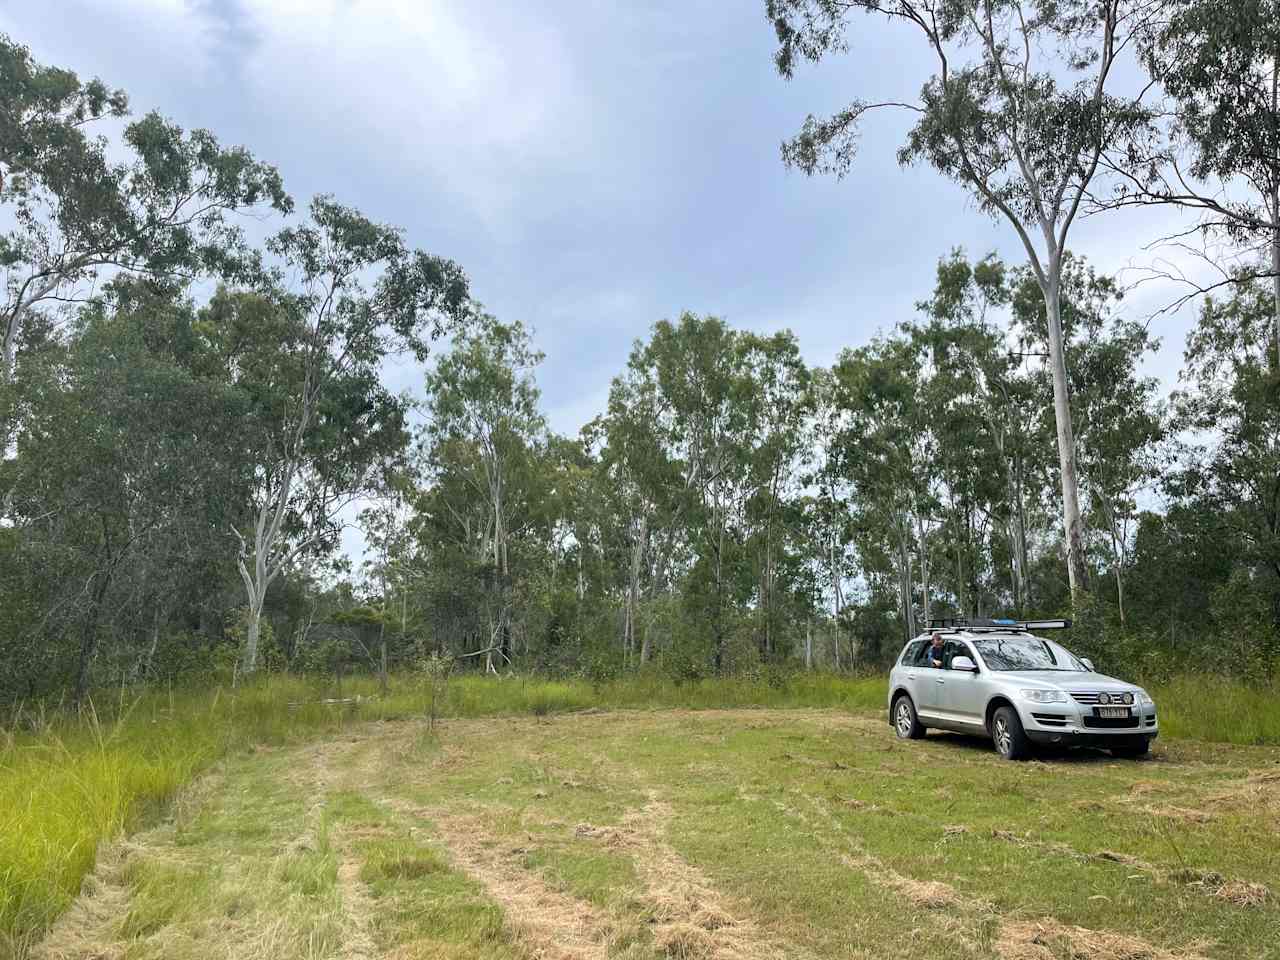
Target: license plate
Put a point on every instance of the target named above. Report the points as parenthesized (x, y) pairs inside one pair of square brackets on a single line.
[(1113, 712)]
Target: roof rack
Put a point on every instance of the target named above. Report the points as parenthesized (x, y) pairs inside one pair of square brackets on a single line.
[(965, 623)]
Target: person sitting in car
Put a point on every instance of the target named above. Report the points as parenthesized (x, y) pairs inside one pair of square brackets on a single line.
[(933, 654)]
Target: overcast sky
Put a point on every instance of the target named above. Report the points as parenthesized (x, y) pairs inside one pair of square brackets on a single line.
[(595, 166)]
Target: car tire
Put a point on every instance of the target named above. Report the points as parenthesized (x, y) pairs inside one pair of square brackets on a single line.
[(1132, 751), (905, 722), (1008, 736)]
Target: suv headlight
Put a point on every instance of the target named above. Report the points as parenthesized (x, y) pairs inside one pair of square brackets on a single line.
[(1045, 696), (1143, 699)]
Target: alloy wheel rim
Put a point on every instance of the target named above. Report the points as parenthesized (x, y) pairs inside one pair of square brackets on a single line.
[(904, 718), (1002, 735)]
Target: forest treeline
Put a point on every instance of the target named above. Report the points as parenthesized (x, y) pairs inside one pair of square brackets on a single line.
[(190, 415)]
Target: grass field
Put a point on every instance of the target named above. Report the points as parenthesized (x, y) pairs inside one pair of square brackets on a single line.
[(69, 781), (683, 834), (742, 798)]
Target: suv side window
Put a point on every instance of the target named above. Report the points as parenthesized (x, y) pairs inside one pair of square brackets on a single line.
[(909, 655), (956, 648)]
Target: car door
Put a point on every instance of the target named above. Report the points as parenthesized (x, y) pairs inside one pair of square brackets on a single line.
[(929, 684), (915, 676), (962, 694)]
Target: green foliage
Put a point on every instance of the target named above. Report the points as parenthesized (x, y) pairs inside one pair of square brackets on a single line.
[(1218, 64), (1246, 633)]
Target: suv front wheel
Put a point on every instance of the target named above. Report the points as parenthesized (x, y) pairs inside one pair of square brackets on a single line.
[(905, 722), (1007, 734)]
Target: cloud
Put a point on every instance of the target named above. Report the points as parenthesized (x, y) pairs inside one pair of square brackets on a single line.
[(174, 39), (467, 97)]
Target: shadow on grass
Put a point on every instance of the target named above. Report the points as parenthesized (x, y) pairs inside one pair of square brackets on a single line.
[(1046, 753)]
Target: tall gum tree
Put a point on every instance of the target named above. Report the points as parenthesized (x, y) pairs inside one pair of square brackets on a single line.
[(1018, 112), (75, 214), (484, 425), (356, 294)]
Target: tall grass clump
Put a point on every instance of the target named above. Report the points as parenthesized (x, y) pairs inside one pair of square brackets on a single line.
[(69, 781), (1218, 709)]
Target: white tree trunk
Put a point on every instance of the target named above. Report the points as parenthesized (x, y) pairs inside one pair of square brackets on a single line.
[(1073, 525), (252, 631), (835, 604), (923, 536), (265, 568), (905, 584), (1275, 209)]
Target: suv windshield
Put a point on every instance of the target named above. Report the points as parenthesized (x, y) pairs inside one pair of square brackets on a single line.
[(1025, 653)]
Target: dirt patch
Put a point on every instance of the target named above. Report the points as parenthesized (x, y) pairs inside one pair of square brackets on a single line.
[(1049, 940)]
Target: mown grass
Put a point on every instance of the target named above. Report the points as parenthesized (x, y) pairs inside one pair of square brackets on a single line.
[(67, 782), (832, 836)]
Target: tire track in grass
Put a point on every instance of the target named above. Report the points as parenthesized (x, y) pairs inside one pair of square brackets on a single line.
[(548, 924), (692, 918)]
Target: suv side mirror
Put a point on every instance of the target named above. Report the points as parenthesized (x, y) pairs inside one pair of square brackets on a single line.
[(1088, 663), (964, 664)]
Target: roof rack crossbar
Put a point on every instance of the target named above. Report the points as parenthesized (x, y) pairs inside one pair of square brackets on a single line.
[(966, 623)]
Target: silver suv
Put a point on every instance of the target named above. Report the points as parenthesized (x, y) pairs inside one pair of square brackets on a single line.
[(996, 678)]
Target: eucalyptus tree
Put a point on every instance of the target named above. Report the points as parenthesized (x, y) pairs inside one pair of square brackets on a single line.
[(1122, 430), (965, 332), (327, 429), (638, 479), (880, 454), (829, 509), (998, 117), (1219, 63), (483, 425), (775, 391), (77, 213), (702, 424), (128, 458), (1230, 403)]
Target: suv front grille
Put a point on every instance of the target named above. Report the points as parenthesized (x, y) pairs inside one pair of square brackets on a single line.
[(1092, 698), (1111, 722)]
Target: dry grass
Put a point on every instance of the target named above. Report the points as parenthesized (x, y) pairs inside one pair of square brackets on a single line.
[(549, 924), (1047, 939), (690, 917)]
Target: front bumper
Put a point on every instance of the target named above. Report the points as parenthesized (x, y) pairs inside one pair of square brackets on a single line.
[(1049, 723)]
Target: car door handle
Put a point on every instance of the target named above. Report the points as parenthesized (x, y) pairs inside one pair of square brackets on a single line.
[(939, 680)]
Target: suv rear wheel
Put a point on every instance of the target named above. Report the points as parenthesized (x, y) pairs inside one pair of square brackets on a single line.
[(905, 722), (1007, 734)]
